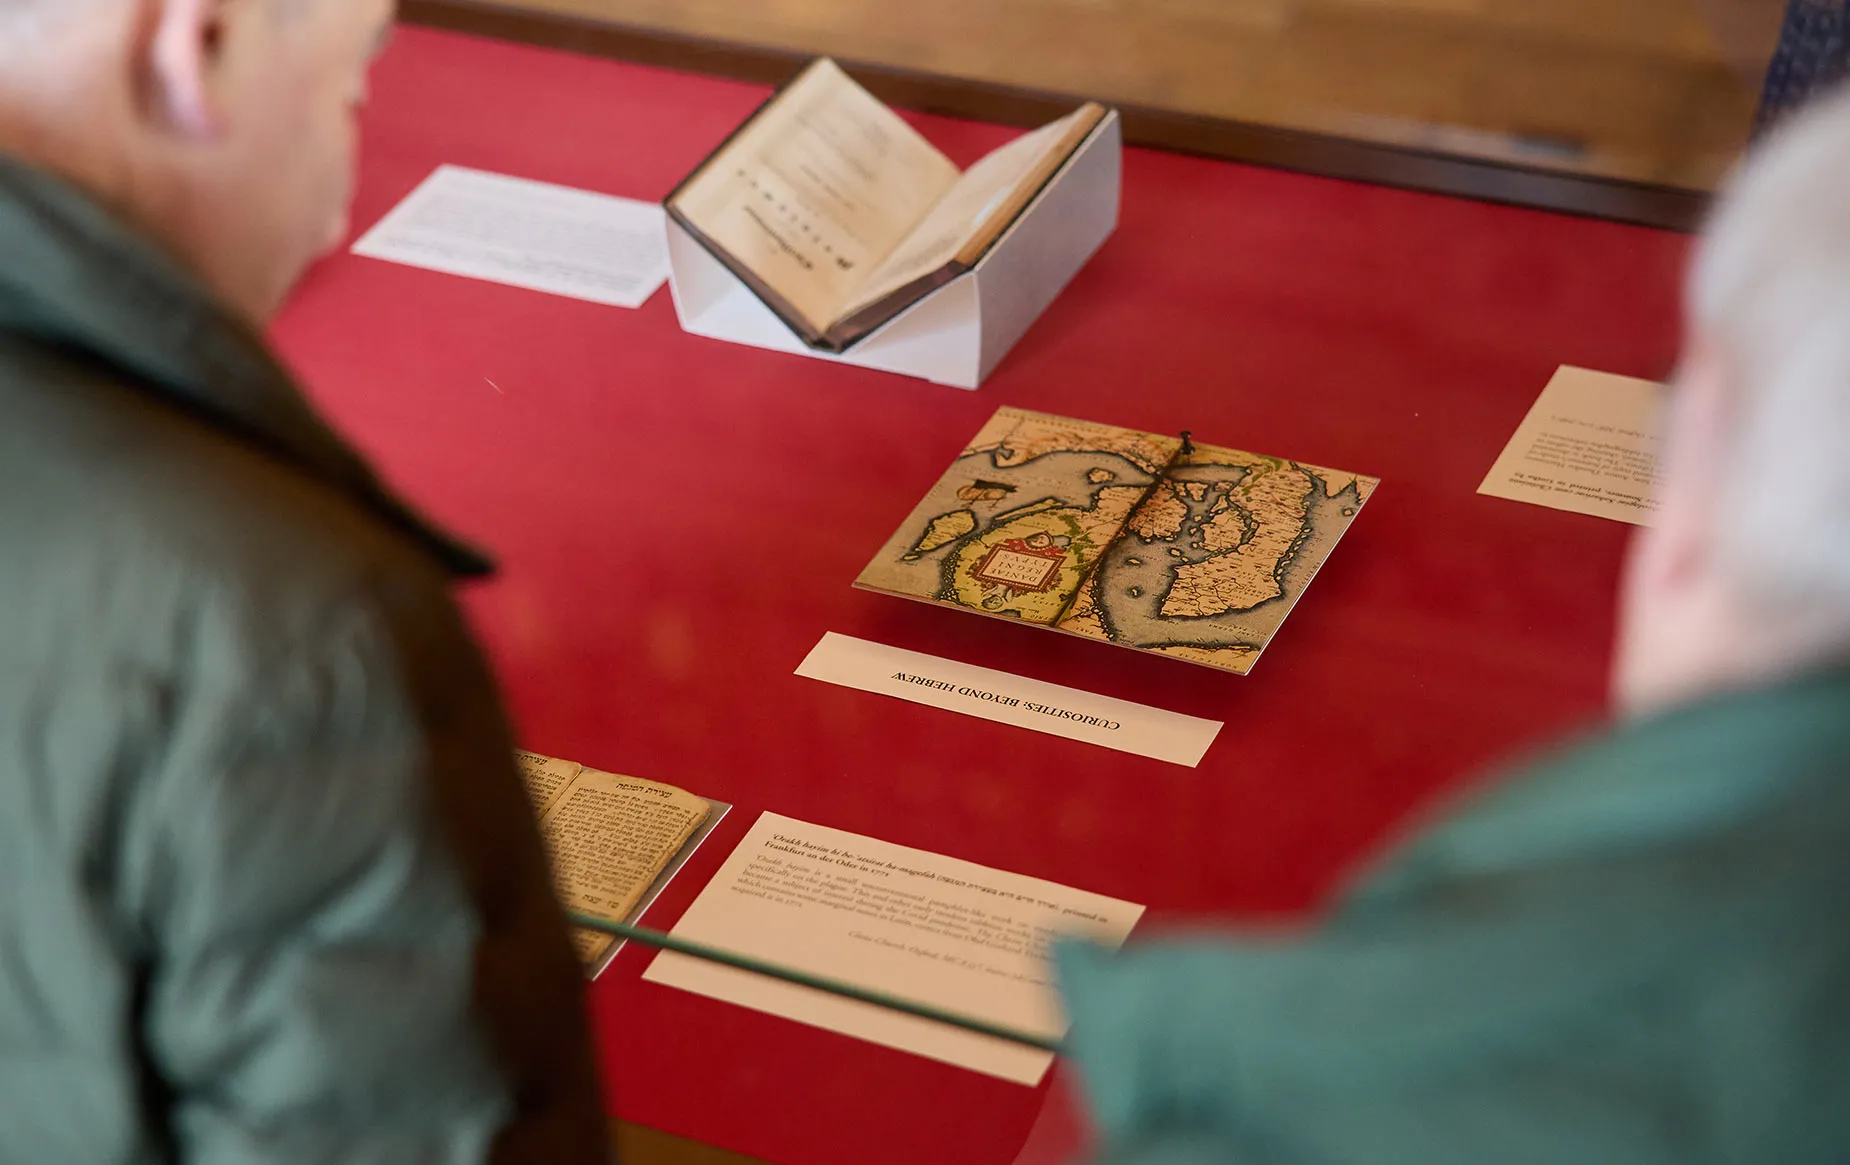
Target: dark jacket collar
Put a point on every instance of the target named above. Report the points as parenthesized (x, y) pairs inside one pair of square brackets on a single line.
[(72, 274)]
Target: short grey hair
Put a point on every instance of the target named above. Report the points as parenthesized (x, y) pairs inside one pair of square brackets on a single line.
[(1770, 289)]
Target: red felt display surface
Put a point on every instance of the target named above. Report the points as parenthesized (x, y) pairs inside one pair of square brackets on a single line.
[(678, 522)]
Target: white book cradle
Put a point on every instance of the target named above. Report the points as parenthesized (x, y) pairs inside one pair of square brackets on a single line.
[(960, 332)]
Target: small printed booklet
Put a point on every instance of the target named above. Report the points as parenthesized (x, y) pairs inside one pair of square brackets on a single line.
[(614, 842)]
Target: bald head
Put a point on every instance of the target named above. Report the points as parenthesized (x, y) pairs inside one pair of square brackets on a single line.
[(46, 11), (225, 129), (20, 18), (1746, 574)]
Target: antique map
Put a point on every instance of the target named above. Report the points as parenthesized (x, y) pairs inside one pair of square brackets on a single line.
[(1145, 541)]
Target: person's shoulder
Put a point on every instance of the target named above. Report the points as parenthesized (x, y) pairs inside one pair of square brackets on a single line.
[(132, 514)]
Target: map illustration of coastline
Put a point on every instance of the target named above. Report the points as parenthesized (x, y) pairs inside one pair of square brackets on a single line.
[(1141, 540)]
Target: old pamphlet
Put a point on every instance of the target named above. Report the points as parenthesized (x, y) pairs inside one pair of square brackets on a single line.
[(940, 931), (1141, 540), (1589, 445), (614, 841), (839, 215)]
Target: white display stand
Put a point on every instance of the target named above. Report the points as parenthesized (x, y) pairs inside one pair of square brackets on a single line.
[(960, 332)]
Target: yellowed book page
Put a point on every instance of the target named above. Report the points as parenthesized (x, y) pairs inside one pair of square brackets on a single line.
[(817, 191), (609, 837), (1074, 129), (1589, 445), (546, 778), (988, 195), (934, 929)]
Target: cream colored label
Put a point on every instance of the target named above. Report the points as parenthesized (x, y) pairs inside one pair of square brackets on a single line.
[(1589, 444), (931, 929), (1010, 699)]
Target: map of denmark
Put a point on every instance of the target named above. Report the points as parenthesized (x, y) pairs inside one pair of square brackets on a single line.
[(1137, 539)]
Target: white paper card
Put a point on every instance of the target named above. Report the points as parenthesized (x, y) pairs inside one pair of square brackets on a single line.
[(526, 234), (1589, 445), (932, 929), (1010, 699)]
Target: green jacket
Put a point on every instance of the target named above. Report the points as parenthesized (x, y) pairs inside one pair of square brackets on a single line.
[(1637, 953), (270, 890)]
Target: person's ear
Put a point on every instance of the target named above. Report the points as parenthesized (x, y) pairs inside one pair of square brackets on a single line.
[(181, 51)]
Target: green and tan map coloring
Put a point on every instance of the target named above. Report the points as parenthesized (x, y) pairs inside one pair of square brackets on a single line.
[(1122, 536)]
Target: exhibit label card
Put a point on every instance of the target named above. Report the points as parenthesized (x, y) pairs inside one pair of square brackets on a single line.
[(1010, 699), (1589, 444), (526, 234), (932, 929)]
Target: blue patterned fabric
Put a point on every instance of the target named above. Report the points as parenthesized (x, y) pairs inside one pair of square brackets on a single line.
[(1813, 54)]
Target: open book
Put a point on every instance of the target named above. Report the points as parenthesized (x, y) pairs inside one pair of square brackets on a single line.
[(1138, 539), (614, 841), (839, 215)]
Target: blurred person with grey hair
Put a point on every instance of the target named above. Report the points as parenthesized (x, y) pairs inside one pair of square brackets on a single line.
[(1635, 951), (270, 888)]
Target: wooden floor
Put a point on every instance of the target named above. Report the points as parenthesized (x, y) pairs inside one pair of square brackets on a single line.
[(636, 1145), (1655, 90)]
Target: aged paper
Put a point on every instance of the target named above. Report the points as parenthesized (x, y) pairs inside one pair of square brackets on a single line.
[(1010, 699), (1194, 551), (974, 205), (613, 841), (546, 778), (947, 933), (1589, 444), (526, 234), (817, 190)]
